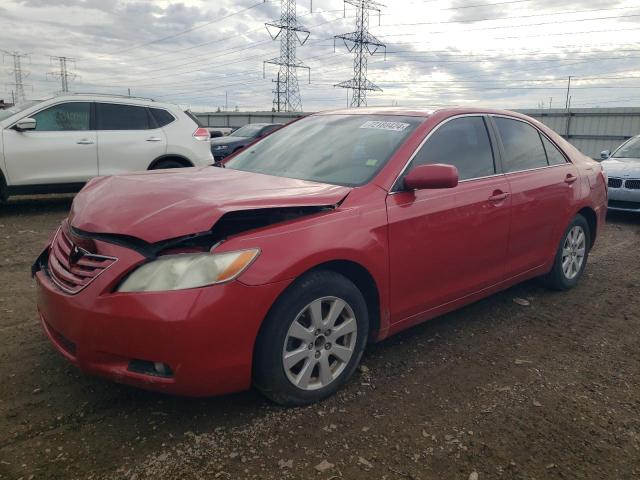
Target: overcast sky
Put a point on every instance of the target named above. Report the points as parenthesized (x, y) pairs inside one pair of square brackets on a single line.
[(502, 53)]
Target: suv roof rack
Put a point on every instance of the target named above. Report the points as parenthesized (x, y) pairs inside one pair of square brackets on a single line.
[(106, 95)]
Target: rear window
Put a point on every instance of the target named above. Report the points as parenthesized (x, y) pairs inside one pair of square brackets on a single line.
[(112, 116), (162, 117), (553, 154)]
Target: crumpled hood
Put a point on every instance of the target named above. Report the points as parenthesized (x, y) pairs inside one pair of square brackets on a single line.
[(629, 167), (160, 205)]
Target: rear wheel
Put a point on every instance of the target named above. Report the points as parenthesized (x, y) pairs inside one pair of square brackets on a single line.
[(164, 164), (571, 257), (312, 340)]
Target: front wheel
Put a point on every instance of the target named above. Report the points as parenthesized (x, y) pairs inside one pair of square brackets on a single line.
[(571, 257), (312, 340)]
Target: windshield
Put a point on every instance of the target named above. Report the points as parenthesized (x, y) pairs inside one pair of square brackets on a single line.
[(6, 113), (631, 149), (337, 149), (247, 131)]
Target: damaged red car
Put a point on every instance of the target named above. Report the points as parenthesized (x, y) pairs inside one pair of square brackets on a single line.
[(338, 230)]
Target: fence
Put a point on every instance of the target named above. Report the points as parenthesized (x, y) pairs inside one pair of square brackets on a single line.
[(591, 130)]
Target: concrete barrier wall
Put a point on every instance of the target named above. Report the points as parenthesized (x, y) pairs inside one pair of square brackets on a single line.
[(591, 130)]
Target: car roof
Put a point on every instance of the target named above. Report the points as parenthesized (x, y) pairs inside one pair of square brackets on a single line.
[(421, 111), (99, 97)]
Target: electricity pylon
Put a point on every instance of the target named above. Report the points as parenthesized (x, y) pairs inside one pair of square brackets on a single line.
[(362, 44), (291, 33)]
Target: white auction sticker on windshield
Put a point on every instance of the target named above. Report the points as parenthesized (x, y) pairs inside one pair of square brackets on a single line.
[(394, 126)]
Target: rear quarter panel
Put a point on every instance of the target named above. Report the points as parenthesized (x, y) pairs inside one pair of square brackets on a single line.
[(181, 142), (593, 185)]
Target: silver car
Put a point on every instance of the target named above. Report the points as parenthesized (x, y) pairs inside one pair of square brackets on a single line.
[(623, 169)]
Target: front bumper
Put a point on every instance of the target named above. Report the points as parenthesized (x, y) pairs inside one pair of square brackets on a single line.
[(624, 198), (206, 335)]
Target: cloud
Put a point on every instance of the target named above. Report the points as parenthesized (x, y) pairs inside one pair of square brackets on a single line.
[(201, 52)]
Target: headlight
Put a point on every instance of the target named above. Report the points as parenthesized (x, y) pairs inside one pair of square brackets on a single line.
[(220, 147), (188, 270)]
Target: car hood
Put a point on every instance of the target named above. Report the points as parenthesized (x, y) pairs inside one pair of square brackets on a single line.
[(156, 206), (229, 140), (628, 167)]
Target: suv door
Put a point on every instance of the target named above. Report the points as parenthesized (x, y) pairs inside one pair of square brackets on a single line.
[(543, 185), (61, 149), (128, 138), (445, 244)]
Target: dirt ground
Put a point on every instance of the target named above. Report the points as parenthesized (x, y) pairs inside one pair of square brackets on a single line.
[(495, 390)]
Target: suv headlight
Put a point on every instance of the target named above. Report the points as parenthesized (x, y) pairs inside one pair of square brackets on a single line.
[(188, 270)]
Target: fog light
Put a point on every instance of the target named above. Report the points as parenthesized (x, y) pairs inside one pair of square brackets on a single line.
[(156, 369), (161, 368)]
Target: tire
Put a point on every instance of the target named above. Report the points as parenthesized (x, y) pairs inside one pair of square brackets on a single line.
[(165, 164), (322, 362), (4, 194), (574, 249)]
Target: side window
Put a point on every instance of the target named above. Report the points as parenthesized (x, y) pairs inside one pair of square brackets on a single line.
[(522, 145), (162, 117), (463, 142), (111, 116), (553, 154), (64, 117)]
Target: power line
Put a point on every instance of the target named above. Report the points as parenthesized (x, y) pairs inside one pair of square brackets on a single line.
[(189, 30)]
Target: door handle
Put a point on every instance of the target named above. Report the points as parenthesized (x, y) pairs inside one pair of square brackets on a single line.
[(85, 141), (154, 139), (570, 178), (498, 196)]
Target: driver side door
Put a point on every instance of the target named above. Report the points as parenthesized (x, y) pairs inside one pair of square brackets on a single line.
[(446, 244), (61, 150)]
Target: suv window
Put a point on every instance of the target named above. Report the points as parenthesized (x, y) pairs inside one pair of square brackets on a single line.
[(71, 116), (162, 117), (554, 157), (463, 142), (112, 116), (522, 145)]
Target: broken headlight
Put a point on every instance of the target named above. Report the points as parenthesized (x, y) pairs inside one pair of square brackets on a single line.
[(188, 270)]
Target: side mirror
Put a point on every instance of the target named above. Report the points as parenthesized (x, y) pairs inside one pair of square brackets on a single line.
[(437, 175), (605, 154), (215, 134), (25, 124)]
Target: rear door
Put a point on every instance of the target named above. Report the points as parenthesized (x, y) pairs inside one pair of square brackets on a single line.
[(543, 188), (61, 150), (448, 243), (128, 138)]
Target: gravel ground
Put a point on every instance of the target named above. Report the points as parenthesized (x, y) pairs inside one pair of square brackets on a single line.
[(548, 389)]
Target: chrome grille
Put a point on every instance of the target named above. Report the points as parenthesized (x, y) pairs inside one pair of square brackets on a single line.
[(71, 267)]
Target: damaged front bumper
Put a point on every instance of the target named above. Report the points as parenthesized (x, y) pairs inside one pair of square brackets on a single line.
[(204, 336)]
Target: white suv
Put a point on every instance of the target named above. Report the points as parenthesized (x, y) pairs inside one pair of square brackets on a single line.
[(56, 145)]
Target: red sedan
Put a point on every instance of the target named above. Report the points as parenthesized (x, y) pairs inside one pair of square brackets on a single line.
[(340, 229)]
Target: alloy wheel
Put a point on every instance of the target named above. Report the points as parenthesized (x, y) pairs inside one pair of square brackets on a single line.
[(320, 343), (573, 252)]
